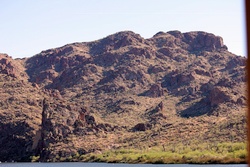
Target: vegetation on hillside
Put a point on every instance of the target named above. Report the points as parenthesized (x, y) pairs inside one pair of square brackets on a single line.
[(205, 153)]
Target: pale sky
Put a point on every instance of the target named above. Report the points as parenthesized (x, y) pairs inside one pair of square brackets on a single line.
[(29, 26)]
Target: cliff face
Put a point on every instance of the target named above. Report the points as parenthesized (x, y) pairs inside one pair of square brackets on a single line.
[(20, 110), (82, 97)]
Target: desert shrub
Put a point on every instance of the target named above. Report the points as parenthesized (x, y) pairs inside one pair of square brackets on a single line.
[(35, 158), (242, 154)]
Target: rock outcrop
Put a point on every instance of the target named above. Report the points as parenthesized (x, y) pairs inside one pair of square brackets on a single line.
[(154, 91), (10, 67)]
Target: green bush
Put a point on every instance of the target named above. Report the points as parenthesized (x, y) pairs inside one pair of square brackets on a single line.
[(196, 153)]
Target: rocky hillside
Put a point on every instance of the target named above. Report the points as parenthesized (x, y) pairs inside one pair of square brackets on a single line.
[(122, 91)]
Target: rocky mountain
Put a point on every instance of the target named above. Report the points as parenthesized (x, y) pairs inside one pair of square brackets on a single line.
[(122, 91)]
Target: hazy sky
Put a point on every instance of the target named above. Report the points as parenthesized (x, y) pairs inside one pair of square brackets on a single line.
[(29, 26)]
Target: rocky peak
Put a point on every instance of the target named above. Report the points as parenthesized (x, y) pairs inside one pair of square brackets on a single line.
[(192, 41), (199, 40), (11, 67), (116, 41), (124, 34), (176, 33)]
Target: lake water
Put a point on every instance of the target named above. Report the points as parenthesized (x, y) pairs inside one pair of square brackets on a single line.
[(79, 164)]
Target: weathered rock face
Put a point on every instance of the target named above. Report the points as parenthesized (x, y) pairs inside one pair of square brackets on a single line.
[(203, 41), (84, 118), (218, 95), (53, 130), (155, 91), (20, 111), (157, 113), (121, 84), (141, 127), (10, 67)]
